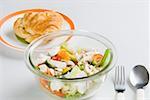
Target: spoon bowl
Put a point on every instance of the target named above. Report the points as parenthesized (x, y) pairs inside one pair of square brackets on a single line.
[(139, 78)]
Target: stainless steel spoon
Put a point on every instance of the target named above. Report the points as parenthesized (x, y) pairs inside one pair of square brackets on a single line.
[(139, 78)]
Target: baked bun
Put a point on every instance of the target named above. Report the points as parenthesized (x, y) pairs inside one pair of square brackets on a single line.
[(35, 24)]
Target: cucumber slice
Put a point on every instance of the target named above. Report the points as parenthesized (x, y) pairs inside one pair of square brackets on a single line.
[(22, 40), (48, 63), (43, 68), (56, 64)]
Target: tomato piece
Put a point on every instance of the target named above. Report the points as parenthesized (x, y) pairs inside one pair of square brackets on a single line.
[(97, 57), (59, 93), (64, 55), (44, 83), (56, 58)]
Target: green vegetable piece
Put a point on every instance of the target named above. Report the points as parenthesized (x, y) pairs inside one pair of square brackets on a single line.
[(65, 46), (37, 68), (79, 50), (106, 59), (81, 67), (76, 96), (76, 70), (94, 62), (22, 40), (66, 69), (73, 58), (48, 63)]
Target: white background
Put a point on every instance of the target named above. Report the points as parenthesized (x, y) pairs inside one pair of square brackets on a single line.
[(124, 22)]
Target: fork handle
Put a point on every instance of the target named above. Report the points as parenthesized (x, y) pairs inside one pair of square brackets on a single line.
[(120, 96), (140, 94)]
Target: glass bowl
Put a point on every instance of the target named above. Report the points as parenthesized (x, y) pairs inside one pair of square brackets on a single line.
[(75, 39)]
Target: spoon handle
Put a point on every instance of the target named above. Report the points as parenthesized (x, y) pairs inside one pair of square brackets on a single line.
[(120, 96), (140, 94)]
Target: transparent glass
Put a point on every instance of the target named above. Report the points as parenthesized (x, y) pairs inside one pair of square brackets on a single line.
[(75, 39)]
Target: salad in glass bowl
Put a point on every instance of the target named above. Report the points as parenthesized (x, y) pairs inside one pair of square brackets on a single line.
[(70, 64)]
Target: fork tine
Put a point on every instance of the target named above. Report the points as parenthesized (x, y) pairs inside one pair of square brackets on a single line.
[(117, 78), (123, 74), (119, 75), (116, 75)]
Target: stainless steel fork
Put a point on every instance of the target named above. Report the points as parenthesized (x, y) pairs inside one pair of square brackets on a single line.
[(119, 82)]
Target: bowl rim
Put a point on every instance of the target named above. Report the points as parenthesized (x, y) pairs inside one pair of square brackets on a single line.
[(54, 34)]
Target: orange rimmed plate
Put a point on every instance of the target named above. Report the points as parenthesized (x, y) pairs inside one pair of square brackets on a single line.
[(7, 36)]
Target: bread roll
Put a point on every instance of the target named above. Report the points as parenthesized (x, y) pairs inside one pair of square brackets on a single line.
[(35, 24)]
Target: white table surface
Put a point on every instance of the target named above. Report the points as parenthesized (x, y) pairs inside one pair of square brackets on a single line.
[(124, 22)]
